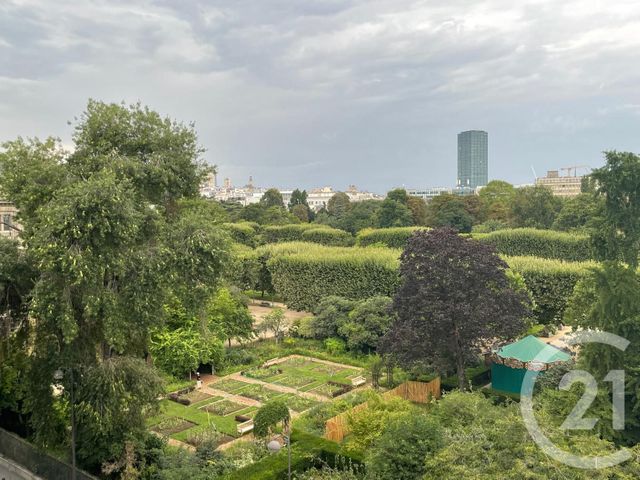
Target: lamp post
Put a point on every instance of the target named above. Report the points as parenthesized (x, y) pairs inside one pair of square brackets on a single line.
[(58, 375)]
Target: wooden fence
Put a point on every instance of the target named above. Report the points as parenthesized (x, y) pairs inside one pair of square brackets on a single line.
[(337, 427)]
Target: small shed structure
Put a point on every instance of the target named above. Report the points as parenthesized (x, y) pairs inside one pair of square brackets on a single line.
[(511, 362)]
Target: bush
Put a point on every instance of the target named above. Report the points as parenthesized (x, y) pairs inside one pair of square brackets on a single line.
[(551, 283), (477, 376), (328, 236), (286, 233), (307, 451), (305, 275), (242, 232), (539, 243), (391, 237)]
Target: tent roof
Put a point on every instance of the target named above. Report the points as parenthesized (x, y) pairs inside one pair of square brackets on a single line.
[(530, 347)]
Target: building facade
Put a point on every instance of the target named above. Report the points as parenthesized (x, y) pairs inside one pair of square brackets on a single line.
[(473, 159), (561, 186), (9, 227)]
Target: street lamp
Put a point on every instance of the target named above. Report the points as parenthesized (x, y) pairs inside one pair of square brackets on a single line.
[(58, 375)]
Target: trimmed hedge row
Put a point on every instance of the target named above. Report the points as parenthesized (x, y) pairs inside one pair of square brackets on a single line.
[(286, 233), (242, 232), (328, 236), (303, 274), (513, 242), (395, 237), (551, 283), (539, 243), (307, 451)]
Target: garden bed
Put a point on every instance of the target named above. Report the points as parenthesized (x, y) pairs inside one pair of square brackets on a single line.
[(172, 425), (260, 393), (229, 385), (223, 407)]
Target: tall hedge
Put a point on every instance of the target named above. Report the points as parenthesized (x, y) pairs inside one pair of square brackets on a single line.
[(286, 233), (395, 237), (539, 243), (242, 232), (328, 236), (303, 276), (304, 273), (551, 283)]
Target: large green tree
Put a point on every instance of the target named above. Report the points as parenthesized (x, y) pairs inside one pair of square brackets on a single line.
[(535, 207), (496, 199), (109, 242), (272, 198)]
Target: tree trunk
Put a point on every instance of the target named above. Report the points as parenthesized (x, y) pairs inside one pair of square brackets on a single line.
[(462, 379)]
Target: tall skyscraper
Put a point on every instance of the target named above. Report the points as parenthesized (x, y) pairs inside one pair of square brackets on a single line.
[(473, 154)]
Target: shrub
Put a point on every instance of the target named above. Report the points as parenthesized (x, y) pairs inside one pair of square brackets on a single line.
[(304, 276), (328, 236), (551, 283), (539, 243), (391, 237), (242, 232), (286, 233)]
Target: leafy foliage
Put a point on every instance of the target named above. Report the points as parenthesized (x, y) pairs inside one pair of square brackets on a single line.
[(539, 243), (454, 295), (269, 416), (534, 207)]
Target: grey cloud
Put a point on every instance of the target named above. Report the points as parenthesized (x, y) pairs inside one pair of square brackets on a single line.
[(370, 92)]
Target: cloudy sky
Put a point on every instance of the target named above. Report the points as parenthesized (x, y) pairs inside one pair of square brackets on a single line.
[(333, 92)]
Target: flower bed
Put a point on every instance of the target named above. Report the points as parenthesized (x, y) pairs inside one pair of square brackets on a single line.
[(172, 425)]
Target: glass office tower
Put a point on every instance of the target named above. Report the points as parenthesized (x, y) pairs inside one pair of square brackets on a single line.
[(473, 161)]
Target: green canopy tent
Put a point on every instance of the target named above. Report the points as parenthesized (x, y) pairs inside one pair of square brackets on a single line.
[(511, 362)]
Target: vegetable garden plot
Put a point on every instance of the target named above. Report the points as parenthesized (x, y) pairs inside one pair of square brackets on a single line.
[(172, 425), (223, 407), (229, 385), (260, 393)]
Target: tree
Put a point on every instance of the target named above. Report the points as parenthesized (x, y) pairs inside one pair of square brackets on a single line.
[(399, 195), (256, 212), (447, 210), (454, 295), (361, 215), (272, 198), (393, 213), (270, 415), (484, 440), (183, 350), (617, 235), (496, 199), (338, 205), (418, 209), (400, 452), (301, 212), (578, 213), (366, 324), (298, 198), (109, 244), (329, 315), (229, 317), (535, 207), (276, 321)]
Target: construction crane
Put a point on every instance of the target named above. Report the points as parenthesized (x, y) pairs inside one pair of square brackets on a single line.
[(575, 169)]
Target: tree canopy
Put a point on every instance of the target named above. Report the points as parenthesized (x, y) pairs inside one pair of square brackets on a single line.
[(454, 295)]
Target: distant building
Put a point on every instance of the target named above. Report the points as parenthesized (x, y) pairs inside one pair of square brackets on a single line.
[(317, 198), (561, 186), (473, 159), (9, 228), (427, 194)]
